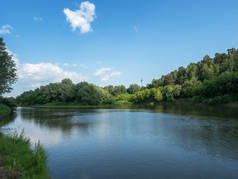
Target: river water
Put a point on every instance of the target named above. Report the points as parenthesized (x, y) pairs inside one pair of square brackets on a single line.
[(165, 142)]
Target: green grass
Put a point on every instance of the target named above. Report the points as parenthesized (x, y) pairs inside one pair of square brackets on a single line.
[(4, 110), (17, 157)]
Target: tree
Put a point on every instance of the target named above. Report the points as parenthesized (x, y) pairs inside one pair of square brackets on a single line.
[(120, 89), (181, 75), (67, 90), (109, 89), (91, 94), (7, 69), (133, 88)]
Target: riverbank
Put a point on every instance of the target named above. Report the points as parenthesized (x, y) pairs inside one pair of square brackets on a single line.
[(17, 159), (77, 105), (179, 102), (4, 111)]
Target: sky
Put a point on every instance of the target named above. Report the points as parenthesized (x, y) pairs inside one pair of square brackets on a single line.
[(112, 41)]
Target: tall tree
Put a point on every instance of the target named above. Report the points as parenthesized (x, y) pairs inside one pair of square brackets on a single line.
[(7, 69), (133, 88)]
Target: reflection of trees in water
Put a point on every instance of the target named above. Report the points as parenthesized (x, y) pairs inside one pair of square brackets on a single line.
[(53, 118), (214, 136), (8, 119), (200, 110)]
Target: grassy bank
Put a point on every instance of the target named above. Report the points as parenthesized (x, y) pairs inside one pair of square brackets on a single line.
[(4, 111), (127, 104), (18, 160), (77, 105)]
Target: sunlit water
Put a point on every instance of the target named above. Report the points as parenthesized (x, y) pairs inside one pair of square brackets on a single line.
[(134, 143)]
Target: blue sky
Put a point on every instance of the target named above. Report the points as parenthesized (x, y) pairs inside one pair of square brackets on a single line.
[(112, 42)]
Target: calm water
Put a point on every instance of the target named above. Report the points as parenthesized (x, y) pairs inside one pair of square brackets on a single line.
[(167, 142)]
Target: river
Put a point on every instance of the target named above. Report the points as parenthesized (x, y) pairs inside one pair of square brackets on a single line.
[(164, 142)]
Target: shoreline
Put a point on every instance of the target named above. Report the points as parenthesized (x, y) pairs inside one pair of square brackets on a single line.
[(181, 102), (19, 159), (5, 111)]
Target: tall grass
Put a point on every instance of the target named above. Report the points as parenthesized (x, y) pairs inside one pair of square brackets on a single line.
[(19, 159)]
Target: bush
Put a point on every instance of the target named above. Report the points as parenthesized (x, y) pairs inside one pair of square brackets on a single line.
[(147, 96), (219, 99), (10, 102), (4, 110)]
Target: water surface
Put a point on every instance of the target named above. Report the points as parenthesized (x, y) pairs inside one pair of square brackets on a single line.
[(166, 142)]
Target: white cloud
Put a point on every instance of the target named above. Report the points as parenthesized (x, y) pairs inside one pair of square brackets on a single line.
[(82, 17), (31, 76), (37, 18), (35, 85), (44, 73), (109, 76), (105, 74), (73, 65), (102, 71), (6, 29)]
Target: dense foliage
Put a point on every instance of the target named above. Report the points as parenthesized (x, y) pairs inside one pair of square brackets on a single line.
[(65, 91), (208, 81), (7, 69), (212, 80), (203, 70), (4, 110), (221, 89)]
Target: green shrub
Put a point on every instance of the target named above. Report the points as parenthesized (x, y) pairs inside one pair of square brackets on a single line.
[(4, 110)]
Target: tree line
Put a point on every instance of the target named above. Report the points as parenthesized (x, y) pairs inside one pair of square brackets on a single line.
[(211, 80), (81, 93)]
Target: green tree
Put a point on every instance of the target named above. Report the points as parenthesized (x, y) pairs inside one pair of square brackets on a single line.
[(109, 89), (66, 90), (120, 89), (133, 88), (7, 69)]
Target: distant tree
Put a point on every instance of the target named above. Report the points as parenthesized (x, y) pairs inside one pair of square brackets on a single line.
[(155, 84), (91, 94), (7, 69), (133, 88), (120, 89), (109, 89), (181, 75), (66, 90)]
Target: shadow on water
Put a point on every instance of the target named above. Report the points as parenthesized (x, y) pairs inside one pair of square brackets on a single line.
[(9, 119), (63, 119), (198, 110), (212, 128)]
